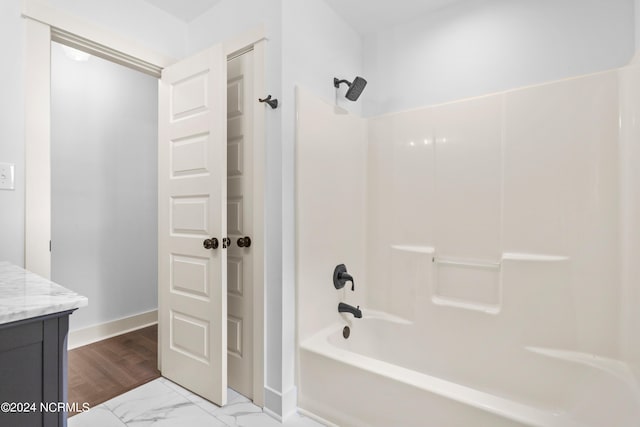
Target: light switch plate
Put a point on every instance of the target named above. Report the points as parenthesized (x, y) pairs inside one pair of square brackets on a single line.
[(7, 176)]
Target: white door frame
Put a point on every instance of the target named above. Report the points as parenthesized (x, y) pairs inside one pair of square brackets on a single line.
[(44, 24)]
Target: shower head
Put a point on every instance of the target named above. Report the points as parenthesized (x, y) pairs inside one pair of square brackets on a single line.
[(355, 88)]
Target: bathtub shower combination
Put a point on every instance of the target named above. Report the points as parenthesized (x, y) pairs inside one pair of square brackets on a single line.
[(493, 245)]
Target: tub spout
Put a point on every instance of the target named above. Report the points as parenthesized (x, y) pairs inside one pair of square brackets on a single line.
[(346, 308)]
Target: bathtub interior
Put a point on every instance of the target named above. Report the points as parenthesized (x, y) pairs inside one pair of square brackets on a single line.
[(550, 380), (494, 230), (598, 392)]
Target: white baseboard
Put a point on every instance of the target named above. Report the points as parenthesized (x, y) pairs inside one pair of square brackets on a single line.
[(317, 418), (273, 403), (280, 405), (106, 330), (289, 402), (272, 414)]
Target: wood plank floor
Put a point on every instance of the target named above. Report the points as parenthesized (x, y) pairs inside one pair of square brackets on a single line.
[(105, 369)]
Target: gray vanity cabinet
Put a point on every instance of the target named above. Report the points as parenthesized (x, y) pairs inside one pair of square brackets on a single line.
[(33, 370)]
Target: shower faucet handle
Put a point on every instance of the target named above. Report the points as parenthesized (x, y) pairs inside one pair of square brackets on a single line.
[(341, 277)]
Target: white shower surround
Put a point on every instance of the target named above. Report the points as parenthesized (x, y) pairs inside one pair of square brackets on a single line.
[(491, 239)]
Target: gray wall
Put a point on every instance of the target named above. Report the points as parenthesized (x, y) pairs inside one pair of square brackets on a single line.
[(104, 132)]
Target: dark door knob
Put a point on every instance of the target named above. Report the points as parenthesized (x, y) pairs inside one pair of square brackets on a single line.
[(226, 242), (244, 242), (211, 243)]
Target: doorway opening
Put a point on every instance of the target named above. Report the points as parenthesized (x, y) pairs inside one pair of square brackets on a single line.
[(104, 187), (240, 182)]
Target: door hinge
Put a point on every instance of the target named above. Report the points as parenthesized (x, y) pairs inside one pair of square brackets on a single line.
[(49, 245)]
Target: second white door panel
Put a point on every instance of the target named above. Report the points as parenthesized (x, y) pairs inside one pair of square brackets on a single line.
[(240, 102)]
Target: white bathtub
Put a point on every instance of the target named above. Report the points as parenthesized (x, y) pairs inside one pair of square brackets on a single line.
[(383, 375)]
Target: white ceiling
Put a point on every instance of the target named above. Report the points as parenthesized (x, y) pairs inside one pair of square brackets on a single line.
[(367, 16), (185, 10)]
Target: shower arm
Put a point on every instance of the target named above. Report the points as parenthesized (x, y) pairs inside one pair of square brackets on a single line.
[(337, 83)]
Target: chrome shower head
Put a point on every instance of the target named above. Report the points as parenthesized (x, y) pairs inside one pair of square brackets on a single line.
[(355, 88)]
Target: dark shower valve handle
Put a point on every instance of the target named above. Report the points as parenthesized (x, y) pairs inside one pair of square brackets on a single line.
[(341, 277)]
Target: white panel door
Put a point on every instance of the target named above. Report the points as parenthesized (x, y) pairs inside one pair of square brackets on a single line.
[(192, 198), (240, 102)]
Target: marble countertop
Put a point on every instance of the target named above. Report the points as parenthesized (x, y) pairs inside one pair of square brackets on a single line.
[(24, 295)]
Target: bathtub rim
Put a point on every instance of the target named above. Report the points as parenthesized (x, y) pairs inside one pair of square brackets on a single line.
[(518, 412)]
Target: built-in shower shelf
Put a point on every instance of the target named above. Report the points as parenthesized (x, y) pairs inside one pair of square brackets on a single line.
[(414, 248), (467, 305), (465, 283), (471, 264), (478, 284), (517, 256), (472, 284)]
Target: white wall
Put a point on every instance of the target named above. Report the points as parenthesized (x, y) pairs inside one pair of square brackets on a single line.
[(319, 45), (136, 19), (12, 131), (104, 133), (229, 19), (480, 47)]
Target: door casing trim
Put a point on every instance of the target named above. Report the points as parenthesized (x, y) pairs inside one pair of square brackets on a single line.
[(40, 20)]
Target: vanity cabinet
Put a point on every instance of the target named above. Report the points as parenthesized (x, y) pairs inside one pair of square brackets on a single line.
[(34, 321), (33, 370)]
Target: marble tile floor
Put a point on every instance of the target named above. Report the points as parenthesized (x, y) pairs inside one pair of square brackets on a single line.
[(161, 403)]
